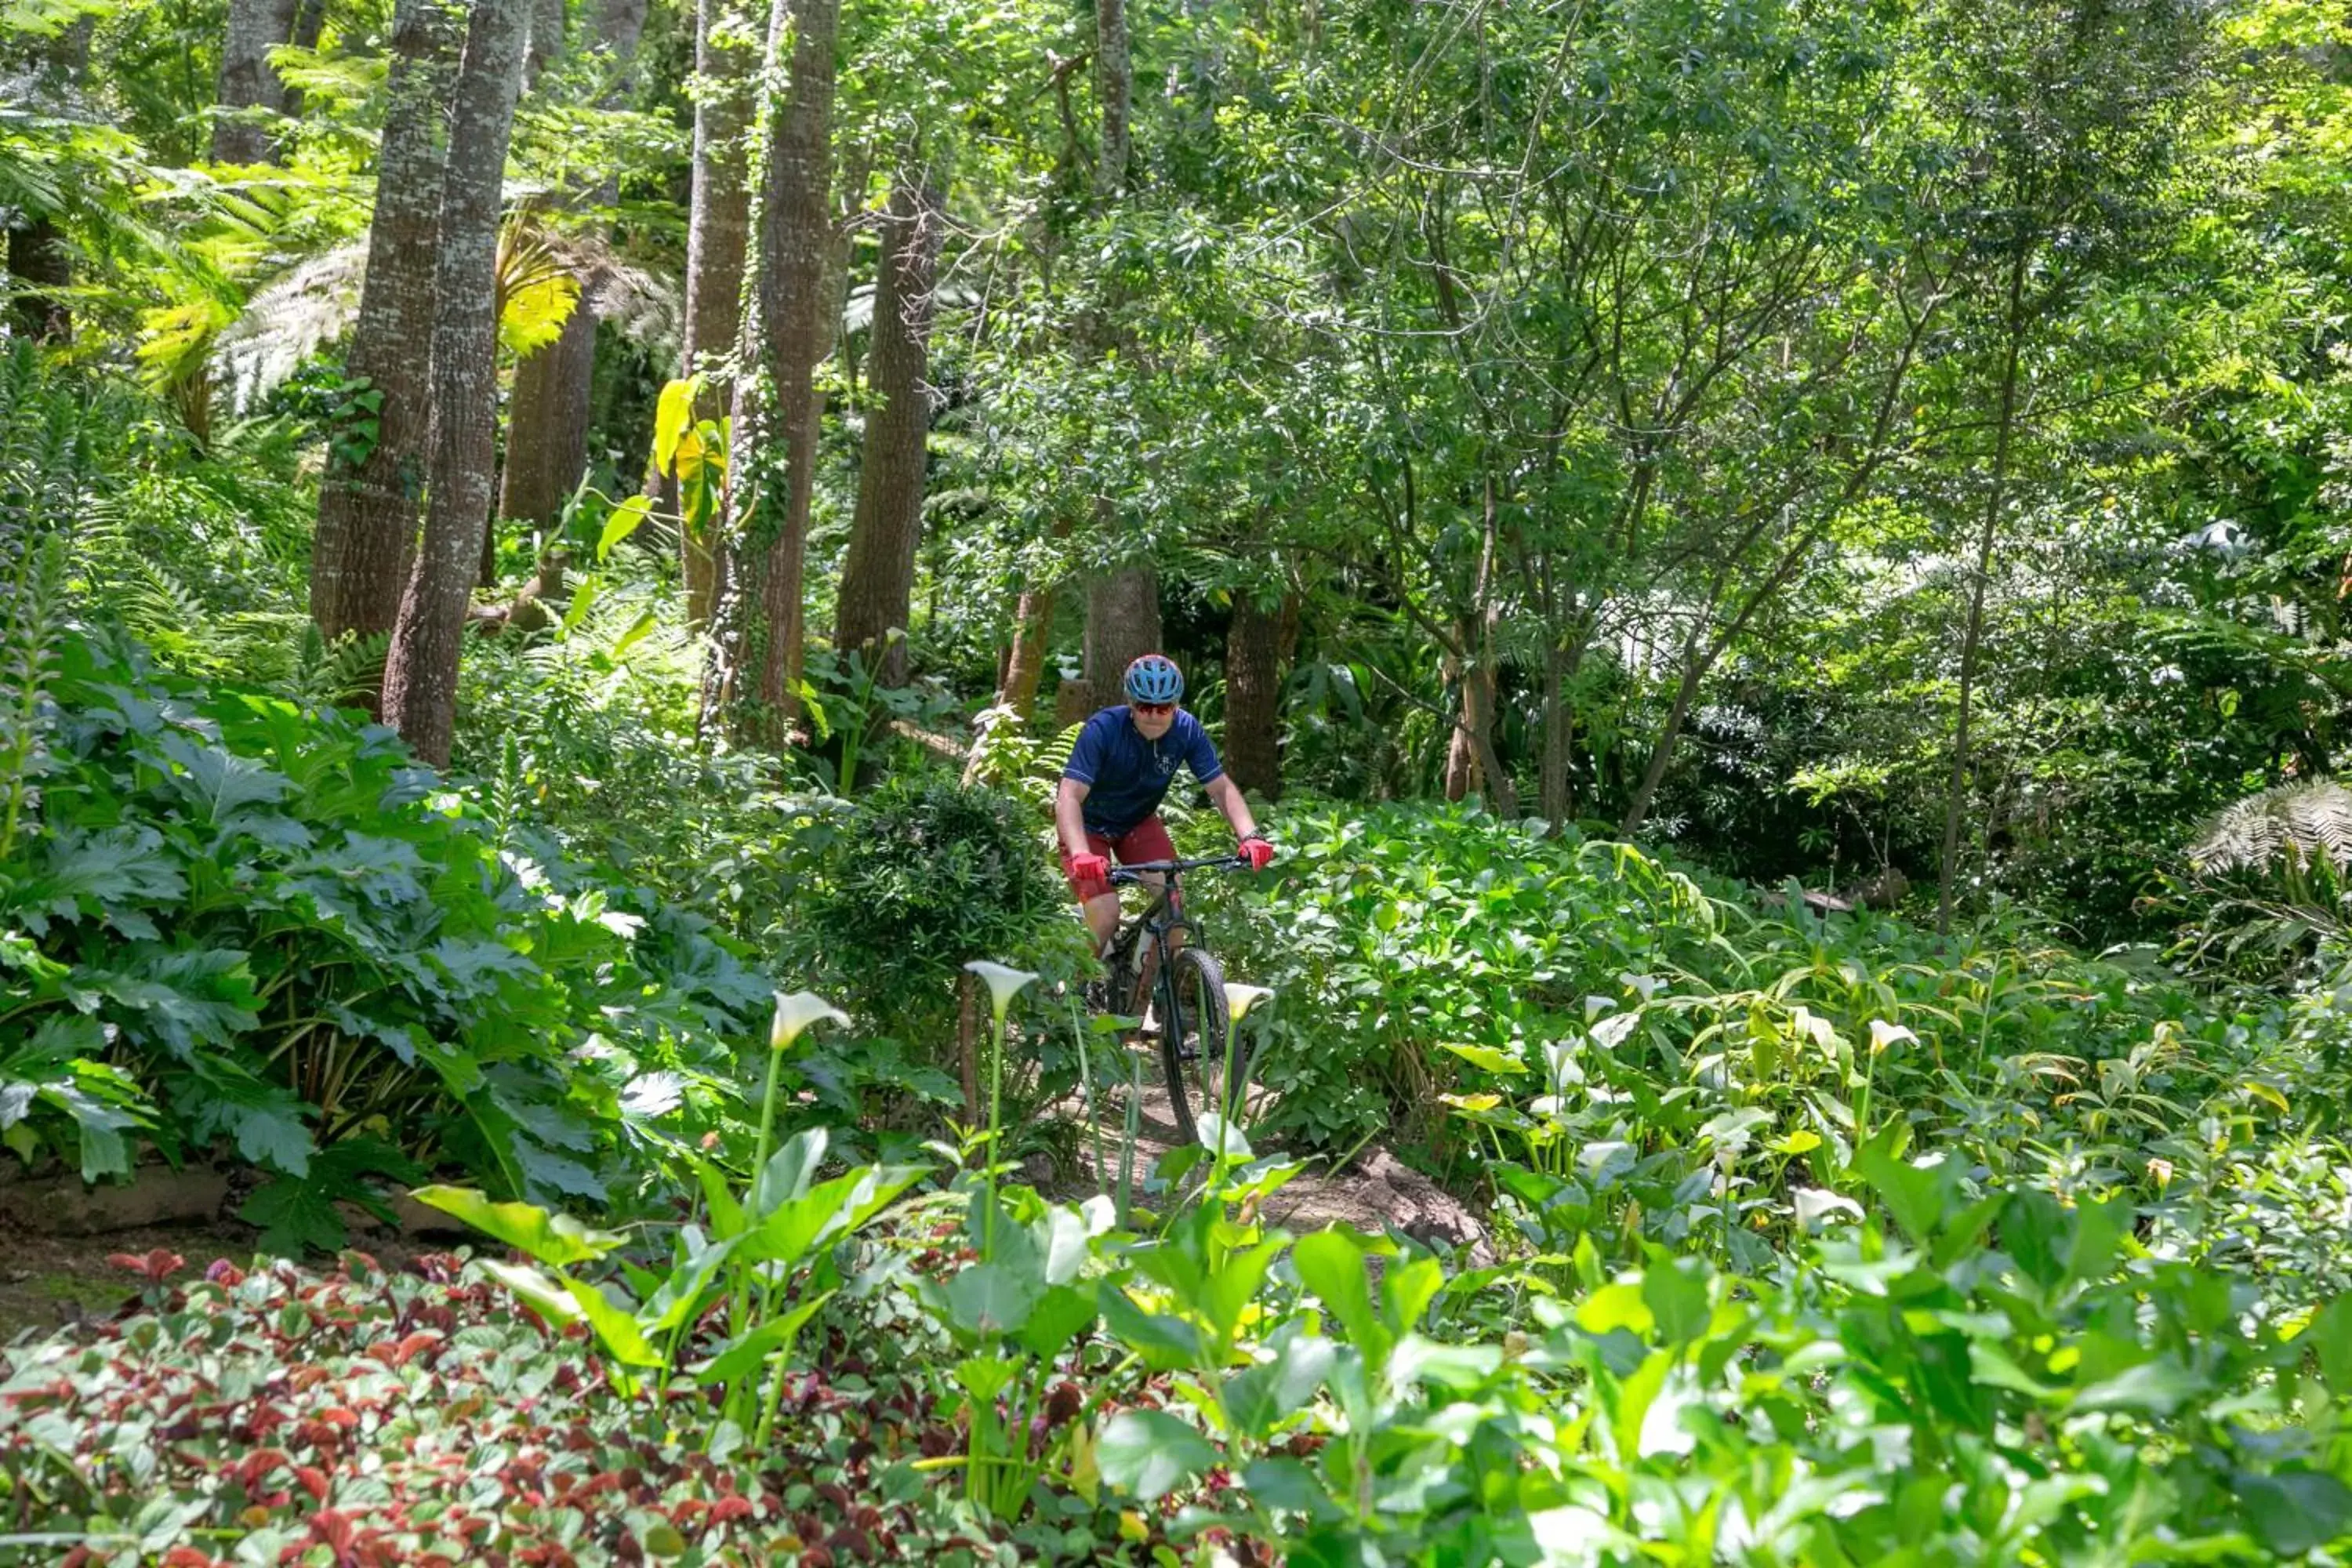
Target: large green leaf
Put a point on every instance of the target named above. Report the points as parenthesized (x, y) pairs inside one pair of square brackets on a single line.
[(1150, 1453), (990, 1298), (1331, 1264), (1163, 1343), (552, 1238), (827, 1212), (1293, 1366), (749, 1352), (219, 783), (99, 873)]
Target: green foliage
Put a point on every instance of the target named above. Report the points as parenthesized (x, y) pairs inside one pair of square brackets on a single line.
[(270, 931), (759, 1244), (924, 878), (1395, 933)]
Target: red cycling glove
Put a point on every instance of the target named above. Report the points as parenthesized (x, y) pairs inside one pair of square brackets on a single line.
[(1089, 869), (1258, 852)]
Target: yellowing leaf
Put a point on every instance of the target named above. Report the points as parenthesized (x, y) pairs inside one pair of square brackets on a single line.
[(672, 417), (536, 312), (623, 522)]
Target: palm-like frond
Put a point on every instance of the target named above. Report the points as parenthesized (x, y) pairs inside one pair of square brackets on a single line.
[(289, 319), (2289, 826)]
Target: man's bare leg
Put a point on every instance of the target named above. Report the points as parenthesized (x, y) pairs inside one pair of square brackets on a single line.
[(1102, 922)]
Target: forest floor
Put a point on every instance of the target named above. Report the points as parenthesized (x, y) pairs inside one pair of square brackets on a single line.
[(49, 1282), (52, 1281)]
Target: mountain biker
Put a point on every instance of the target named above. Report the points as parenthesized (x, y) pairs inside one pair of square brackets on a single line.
[(1108, 803)]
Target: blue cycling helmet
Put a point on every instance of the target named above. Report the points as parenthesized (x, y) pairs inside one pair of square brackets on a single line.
[(1154, 678)]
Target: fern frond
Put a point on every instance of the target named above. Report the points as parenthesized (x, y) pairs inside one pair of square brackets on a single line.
[(2291, 826), (32, 623), (288, 319)]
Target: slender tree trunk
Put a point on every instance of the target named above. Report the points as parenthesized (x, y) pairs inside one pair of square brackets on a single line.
[(719, 228), (40, 258), (785, 333), (368, 510), (1025, 660), (1471, 742), (248, 80), (547, 424), (1955, 797), (540, 453), (1697, 661), (1558, 797), (1258, 646), (877, 579), (1123, 607), (547, 412), (420, 688), (546, 40)]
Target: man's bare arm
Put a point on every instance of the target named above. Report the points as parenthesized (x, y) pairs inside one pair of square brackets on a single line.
[(1069, 818), (1227, 798)]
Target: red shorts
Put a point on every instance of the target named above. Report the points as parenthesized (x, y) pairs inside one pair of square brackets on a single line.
[(1147, 840)]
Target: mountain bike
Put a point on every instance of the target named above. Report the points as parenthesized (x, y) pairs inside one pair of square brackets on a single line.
[(1184, 988)]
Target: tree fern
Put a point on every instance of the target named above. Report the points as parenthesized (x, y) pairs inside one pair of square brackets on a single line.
[(2288, 829)]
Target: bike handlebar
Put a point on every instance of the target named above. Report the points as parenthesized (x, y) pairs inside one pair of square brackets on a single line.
[(1137, 870)]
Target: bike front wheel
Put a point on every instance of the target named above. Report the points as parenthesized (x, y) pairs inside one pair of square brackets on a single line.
[(1206, 1061)]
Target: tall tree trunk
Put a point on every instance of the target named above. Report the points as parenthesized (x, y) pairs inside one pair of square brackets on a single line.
[(1024, 659), (546, 40), (719, 228), (1470, 759), (784, 332), (1557, 798), (1113, 90), (40, 261), (420, 685), (547, 424), (310, 22), (1257, 648), (548, 413), (368, 510), (1128, 596), (1122, 626), (877, 579), (40, 268), (248, 83), (1996, 493)]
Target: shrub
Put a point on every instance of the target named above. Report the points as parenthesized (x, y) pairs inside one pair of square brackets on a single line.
[(230, 921), (926, 876)]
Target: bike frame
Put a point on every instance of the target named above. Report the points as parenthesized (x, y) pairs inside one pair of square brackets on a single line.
[(1165, 914)]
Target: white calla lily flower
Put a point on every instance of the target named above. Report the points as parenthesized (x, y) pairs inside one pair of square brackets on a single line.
[(795, 1012), (1004, 983), (1883, 1034), (1240, 999)]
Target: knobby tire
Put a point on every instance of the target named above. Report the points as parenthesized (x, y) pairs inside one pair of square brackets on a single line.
[(1216, 1078)]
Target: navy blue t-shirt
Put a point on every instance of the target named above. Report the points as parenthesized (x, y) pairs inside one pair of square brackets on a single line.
[(1127, 774)]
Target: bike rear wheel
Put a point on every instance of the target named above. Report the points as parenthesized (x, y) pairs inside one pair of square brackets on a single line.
[(1206, 1062)]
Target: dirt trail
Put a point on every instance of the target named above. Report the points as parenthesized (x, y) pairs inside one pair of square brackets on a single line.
[(1375, 1192)]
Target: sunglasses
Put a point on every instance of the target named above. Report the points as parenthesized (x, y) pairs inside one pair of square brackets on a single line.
[(1153, 709)]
